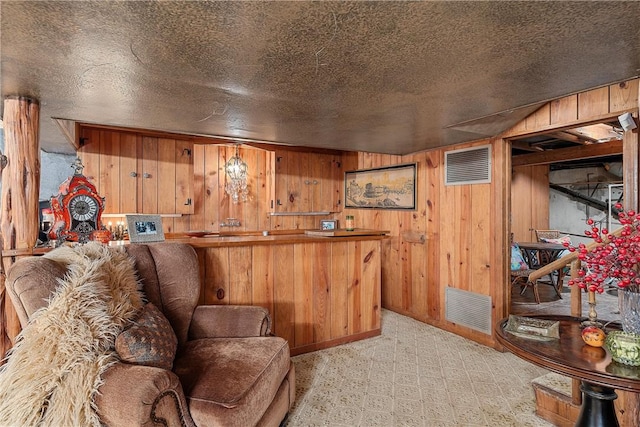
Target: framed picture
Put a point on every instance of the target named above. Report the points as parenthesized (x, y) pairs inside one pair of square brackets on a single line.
[(328, 224), (392, 187), (145, 228)]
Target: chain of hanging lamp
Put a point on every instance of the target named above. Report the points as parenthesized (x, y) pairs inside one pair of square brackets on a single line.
[(236, 186)]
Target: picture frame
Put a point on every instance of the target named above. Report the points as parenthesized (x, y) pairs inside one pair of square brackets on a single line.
[(391, 187), (328, 224), (145, 228)]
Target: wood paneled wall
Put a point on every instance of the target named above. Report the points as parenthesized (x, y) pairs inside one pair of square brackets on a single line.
[(586, 107), (529, 201), (454, 238), (212, 205), (317, 293)]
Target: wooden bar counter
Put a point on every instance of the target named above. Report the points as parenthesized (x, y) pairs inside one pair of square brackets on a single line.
[(320, 291)]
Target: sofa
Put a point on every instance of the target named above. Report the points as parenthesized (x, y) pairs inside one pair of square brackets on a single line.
[(224, 366)]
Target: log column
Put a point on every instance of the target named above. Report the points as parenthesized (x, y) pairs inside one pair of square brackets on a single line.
[(19, 218)]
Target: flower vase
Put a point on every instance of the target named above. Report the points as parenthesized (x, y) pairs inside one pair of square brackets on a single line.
[(624, 345), (629, 304)]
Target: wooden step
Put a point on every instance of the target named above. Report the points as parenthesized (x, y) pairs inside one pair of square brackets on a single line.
[(553, 400)]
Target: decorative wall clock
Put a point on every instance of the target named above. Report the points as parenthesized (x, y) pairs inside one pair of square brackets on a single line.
[(77, 209)]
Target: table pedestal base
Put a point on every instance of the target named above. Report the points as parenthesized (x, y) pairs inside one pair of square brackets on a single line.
[(597, 407)]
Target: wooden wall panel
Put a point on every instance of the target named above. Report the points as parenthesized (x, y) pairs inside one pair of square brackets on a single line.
[(433, 162), (165, 180), (283, 288), (149, 167), (240, 275), (89, 153), (213, 169), (624, 96), (499, 254), (197, 220), (262, 278), (109, 177), (369, 264), (482, 232), (303, 294), (529, 201), (593, 103), (129, 153), (564, 110), (183, 158), (354, 293), (321, 283), (339, 292), (217, 276), (540, 118)]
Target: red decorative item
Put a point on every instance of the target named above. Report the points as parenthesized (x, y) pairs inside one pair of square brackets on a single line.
[(77, 210)]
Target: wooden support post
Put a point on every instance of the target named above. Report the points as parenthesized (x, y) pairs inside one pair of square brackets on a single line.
[(19, 219), (631, 161)]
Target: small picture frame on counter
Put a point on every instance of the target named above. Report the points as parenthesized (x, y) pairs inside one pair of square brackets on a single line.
[(328, 224), (145, 228)]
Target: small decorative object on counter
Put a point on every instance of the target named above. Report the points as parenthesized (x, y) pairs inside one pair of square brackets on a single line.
[(349, 223), (593, 336), (624, 347)]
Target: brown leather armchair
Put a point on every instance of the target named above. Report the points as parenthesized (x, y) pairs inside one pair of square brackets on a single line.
[(228, 369)]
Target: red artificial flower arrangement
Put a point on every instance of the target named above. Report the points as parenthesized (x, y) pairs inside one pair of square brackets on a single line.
[(614, 259)]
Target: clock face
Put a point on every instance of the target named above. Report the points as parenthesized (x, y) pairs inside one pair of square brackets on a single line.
[(83, 207)]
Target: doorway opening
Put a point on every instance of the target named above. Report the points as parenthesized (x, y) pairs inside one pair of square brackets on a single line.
[(561, 178)]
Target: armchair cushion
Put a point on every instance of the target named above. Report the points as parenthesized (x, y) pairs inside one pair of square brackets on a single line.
[(236, 385), (228, 321), (149, 341)]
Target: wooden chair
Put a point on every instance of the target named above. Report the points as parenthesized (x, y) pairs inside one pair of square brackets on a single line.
[(521, 277)]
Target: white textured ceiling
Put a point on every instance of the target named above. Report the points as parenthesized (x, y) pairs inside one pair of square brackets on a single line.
[(390, 77)]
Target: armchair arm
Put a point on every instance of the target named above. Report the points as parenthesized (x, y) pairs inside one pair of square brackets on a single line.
[(227, 321), (137, 395)]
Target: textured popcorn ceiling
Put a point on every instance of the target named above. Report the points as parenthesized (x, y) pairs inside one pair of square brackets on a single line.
[(392, 77)]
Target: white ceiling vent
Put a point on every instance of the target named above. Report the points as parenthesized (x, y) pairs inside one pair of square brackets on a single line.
[(468, 166)]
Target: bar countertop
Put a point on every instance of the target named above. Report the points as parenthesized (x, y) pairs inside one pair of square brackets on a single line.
[(226, 239)]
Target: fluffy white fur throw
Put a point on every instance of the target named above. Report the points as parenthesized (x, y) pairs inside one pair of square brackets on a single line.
[(56, 366)]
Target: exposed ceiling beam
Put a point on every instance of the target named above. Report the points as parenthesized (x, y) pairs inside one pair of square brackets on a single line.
[(525, 146), (572, 137), (568, 154)]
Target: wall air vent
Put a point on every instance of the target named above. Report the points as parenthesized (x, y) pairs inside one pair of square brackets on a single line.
[(468, 166), (468, 309)]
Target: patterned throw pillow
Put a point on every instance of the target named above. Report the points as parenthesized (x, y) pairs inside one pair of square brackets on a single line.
[(149, 341), (517, 260)]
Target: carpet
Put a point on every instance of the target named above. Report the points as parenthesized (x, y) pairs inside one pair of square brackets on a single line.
[(414, 375)]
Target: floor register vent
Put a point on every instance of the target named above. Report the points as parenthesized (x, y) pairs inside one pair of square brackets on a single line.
[(468, 309)]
